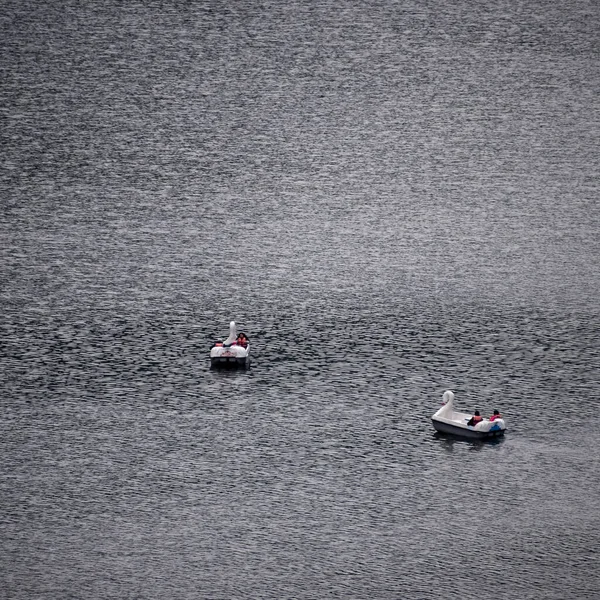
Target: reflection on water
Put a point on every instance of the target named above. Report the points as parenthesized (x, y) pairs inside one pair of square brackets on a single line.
[(448, 441)]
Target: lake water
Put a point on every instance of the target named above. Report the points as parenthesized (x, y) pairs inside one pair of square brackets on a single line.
[(391, 199)]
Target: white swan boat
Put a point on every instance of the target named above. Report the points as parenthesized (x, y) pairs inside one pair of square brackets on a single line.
[(233, 353), (449, 420)]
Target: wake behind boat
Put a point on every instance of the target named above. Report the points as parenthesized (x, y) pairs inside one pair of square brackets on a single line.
[(233, 353), (449, 420)]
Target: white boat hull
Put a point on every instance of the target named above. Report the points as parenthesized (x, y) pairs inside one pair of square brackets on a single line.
[(468, 432), (230, 357)]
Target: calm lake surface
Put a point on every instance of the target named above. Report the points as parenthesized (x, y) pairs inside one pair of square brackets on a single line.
[(391, 199)]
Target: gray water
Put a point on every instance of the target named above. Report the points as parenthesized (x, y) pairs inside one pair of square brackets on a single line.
[(391, 199)]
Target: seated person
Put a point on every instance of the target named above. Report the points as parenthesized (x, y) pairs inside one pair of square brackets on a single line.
[(495, 416), (242, 340), (476, 418)]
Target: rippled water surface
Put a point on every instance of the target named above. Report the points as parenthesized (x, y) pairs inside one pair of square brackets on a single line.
[(392, 199)]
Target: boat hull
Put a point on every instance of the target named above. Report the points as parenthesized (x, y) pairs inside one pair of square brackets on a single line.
[(229, 362), (466, 432)]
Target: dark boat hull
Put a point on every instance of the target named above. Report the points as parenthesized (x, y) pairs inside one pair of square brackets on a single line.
[(229, 362), (466, 433)]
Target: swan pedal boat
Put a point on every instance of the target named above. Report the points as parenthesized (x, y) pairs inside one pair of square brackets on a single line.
[(228, 354), (449, 420)]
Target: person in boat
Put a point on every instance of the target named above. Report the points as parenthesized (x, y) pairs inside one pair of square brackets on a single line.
[(242, 340), (476, 418), (495, 416)]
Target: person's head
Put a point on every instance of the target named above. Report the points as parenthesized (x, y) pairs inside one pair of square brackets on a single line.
[(496, 412), (477, 413)]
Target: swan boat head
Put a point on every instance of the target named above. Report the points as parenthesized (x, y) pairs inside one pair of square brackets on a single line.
[(232, 334), (447, 405)]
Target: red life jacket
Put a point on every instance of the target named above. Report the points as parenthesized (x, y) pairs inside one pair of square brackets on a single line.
[(477, 418), (494, 417)]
